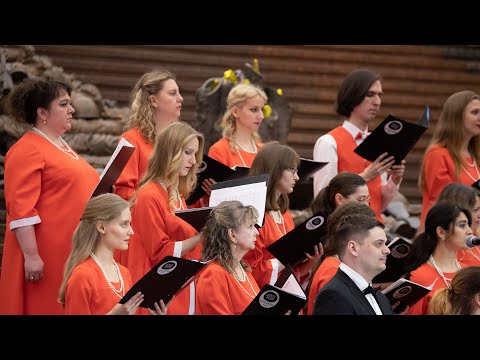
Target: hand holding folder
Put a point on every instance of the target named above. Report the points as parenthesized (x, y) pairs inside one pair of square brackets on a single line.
[(406, 292), (394, 136)]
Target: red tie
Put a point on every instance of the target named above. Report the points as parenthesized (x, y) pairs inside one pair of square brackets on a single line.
[(359, 136)]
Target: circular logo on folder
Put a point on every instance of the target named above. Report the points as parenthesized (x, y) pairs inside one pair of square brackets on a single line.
[(167, 267), (315, 223), (201, 167), (403, 291), (393, 127), (269, 299), (400, 251)]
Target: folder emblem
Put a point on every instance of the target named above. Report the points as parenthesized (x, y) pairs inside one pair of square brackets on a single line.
[(201, 168), (400, 251), (167, 267), (403, 291), (393, 127), (269, 299), (315, 223)]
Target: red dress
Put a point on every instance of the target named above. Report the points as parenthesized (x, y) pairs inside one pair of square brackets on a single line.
[(158, 233), (46, 188), (325, 272), (88, 292), (221, 152)]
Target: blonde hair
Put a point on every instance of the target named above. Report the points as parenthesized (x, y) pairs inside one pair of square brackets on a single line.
[(237, 97), (167, 158), (142, 113), (215, 239), (448, 136), (104, 208)]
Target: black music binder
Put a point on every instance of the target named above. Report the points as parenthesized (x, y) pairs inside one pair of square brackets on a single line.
[(114, 167), (308, 167), (399, 249), (393, 135), (197, 217), (211, 168), (293, 246), (165, 280), (287, 294), (407, 292)]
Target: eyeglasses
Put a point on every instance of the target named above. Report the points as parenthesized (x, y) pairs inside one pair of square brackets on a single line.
[(294, 171), (362, 199)]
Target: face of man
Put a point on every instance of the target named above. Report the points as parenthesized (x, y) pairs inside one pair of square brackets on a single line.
[(368, 108), (372, 253)]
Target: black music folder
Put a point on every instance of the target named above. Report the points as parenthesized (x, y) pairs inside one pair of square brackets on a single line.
[(407, 292), (308, 167), (292, 247), (165, 280), (197, 217), (287, 294), (393, 135), (114, 167), (476, 185), (211, 168), (399, 249)]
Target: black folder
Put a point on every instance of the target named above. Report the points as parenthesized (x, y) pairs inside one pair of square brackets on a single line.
[(393, 135), (165, 280), (273, 300), (309, 167), (197, 217), (211, 168), (292, 247), (399, 249), (114, 167), (476, 185), (407, 292)]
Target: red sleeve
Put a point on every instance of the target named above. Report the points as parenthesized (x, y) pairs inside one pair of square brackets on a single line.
[(215, 152), (24, 166), (212, 295), (128, 180)]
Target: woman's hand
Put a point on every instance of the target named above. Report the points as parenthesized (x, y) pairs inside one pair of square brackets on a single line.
[(130, 307), (159, 310)]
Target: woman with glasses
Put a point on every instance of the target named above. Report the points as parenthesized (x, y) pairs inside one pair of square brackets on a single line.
[(280, 162)]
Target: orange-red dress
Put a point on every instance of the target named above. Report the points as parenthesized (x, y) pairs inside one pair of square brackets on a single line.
[(425, 275), (46, 188), (470, 257), (219, 293), (264, 265), (327, 270), (438, 171), (158, 233), (136, 167), (127, 182), (88, 292), (220, 151)]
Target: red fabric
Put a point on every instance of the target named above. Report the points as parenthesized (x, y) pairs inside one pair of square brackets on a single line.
[(41, 180), (88, 292), (327, 270), (221, 152), (348, 160), (359, 136), (156, 232), (219, 293)]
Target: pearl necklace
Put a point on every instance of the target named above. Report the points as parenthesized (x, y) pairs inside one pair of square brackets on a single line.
[(440, 272), (476, 169), (248, 280), (120, 292), (180, 203), (68, 149), (238, 146), (281, 222)]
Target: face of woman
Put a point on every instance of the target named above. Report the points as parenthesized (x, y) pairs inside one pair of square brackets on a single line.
[(361, 195), (476, 214), (167, 103), (118, 231), (245, 237), (249, 115), (288, 180), (460, 231), (471, 118), (189, 160), (57, 118)]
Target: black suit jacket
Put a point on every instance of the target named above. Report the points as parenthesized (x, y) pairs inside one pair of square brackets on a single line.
[(341, 296)]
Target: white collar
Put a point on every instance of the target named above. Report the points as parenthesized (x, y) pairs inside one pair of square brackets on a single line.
[(356, 277), (353, 130)]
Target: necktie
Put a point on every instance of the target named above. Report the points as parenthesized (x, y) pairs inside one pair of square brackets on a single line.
[(359, 136), (370, 290)]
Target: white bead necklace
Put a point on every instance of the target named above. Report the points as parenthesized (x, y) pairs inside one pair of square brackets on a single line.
[(68, 149), (440, 272), (179, 199), (120, 292), (238, 146), (245, 277), (476, 169), (281, 222)]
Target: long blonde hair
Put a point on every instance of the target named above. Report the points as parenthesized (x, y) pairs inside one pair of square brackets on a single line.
[(167, 157), (448, 136), (237, 97), (105, 207), (142, 113)]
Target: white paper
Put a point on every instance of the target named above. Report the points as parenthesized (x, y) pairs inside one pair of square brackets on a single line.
[(123, 142)]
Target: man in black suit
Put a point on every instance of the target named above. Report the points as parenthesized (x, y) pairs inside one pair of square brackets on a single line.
[(363, 254)]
